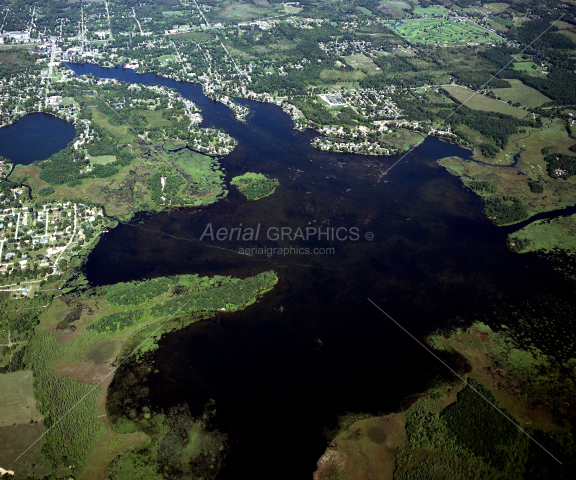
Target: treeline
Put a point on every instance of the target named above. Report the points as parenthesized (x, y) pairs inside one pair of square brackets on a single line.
[(479, 79), (171, 189), (483, 186), (116, 321), (480, 427), (231, 296), (553, 86), (70, 166), (497, 126), (559, 161), (536, 187), (72, 425), (135, 293), (531, 31), (517, 244), (506, 209), (255, 188)]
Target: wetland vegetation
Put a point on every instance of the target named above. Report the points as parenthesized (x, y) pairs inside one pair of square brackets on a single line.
[(371, 78)]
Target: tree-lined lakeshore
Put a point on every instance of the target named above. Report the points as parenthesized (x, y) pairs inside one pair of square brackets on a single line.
[(369, 77)]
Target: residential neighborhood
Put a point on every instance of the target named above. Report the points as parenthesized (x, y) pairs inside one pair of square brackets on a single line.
[(38, 240)]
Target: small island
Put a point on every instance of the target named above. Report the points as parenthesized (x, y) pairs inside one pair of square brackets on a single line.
[(255, 186)]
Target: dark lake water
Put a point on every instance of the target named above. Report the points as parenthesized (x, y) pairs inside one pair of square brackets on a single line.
[(284, 369), (36, 136)]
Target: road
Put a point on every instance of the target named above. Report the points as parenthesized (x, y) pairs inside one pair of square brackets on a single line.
[(17, 225), (71, 239)]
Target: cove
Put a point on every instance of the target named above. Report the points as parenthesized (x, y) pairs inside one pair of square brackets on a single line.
[(36, 136), (283, 370)]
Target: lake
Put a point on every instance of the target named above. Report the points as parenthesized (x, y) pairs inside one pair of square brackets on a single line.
[(284, 369), (36, 136)]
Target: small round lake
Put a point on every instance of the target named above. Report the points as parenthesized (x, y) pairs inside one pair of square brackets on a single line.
[(35, 136)]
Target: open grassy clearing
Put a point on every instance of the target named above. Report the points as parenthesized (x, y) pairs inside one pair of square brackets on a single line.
[(436, 11), (102, 159), (14, 440), (174, 13), (523, 94), (359, 61), (496, 7), (497, 26), (247, 11), (395, 8), (443, 32), (192, 37), (529, 67), (571, 34), (484, 103), (342, 75), (17, 402)]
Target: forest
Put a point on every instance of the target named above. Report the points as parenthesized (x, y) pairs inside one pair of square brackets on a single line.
[(135, 293), (255, 186), (505, 209), (480, 427), (116, 321), (559, 165)]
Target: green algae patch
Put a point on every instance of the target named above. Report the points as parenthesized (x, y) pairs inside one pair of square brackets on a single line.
[(255, 186), (546, 236)]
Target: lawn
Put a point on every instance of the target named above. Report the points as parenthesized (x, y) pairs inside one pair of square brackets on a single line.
[(525, 95), (164, 58), (484, 103), (102, 159), (440, 31), (525, 66), (359, 61)]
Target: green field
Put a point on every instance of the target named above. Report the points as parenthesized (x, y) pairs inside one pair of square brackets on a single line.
[(364, 10), (523, 94), (431, 11), (484, 103), (173, 13), (343, 76), (17, 402), (497, 7), (501, 21), (443, 32), (246, 11), (102, 159), (361, 62), (525, 66)]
